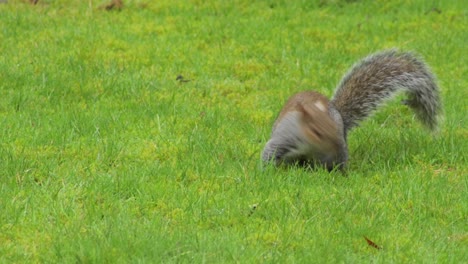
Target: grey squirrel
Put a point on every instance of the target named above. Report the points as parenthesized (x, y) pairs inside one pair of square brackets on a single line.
[(312, 130)]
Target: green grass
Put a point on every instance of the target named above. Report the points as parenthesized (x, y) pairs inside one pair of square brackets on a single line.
[(106, 157)]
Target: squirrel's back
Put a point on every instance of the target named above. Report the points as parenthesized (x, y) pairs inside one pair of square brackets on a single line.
[(377, 77)]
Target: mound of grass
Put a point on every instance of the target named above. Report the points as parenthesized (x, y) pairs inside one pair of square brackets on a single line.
[(134, 135)]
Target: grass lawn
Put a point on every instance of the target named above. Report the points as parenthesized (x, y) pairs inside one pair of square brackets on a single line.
[(135, 135)]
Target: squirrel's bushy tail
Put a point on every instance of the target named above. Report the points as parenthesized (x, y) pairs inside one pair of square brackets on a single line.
[(377, 78)]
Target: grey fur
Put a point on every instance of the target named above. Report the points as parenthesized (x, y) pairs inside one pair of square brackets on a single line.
[(377, 78), (342, 157)]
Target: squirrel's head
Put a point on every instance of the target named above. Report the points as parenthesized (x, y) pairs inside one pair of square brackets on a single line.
[(306, 135), (319, 129)]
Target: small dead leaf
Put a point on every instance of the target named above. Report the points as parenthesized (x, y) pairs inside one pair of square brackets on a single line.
[(372, 243), (435, 10), (113, 5), (181, 79)]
